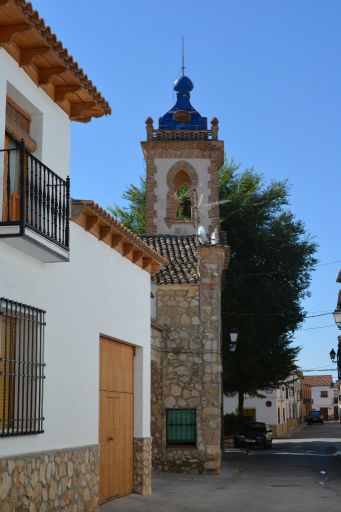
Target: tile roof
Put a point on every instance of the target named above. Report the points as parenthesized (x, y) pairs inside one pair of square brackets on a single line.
[(318, 380), (27, 28), (181, 255)]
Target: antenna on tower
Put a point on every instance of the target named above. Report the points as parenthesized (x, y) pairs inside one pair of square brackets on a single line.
[(183, 57)]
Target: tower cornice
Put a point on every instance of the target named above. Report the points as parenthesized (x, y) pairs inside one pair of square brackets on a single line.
[(184, 149)]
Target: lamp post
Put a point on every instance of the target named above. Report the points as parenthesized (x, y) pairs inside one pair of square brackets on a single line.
[(233, 339), (337, 355)]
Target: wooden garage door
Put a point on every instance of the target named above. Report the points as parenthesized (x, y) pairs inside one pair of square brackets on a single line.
[(116, 419)]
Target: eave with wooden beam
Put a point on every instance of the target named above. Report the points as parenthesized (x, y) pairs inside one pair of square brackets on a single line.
[(99, 223), (26, 38)]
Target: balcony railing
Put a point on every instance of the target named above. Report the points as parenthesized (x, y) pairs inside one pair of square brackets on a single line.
[(307, 401), (35, 197)]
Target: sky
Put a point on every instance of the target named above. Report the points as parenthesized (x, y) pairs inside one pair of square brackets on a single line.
[(268, 69)]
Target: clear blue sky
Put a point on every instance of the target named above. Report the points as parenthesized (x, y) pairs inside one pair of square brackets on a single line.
[(268, 69)]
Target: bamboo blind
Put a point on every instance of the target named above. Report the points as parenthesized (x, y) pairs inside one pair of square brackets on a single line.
[(18, 125)]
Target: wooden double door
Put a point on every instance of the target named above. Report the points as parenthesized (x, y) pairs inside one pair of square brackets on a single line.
[(116, 419)]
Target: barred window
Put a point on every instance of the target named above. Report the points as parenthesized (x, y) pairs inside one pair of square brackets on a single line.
[(21, 368), (181, 426)]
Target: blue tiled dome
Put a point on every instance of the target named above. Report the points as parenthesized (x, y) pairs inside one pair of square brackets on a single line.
[(183, 84), (183, 116)]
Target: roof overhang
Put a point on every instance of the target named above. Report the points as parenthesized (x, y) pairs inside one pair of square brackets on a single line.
[(24, 35), (90, 216)]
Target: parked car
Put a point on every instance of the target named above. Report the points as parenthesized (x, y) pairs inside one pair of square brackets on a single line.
[(314, 417), (254, 434)]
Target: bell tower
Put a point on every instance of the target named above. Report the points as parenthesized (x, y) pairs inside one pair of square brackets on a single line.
[(183, 158)]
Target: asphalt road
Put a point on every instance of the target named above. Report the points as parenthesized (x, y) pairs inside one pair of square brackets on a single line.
[(300, 473)]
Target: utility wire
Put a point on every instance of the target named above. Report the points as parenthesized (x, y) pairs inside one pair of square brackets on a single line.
[(321, 370), (275, 314), (281, 271), (320, 327)]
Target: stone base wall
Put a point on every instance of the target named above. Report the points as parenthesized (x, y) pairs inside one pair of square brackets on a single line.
[(143, 465), (282, 428), (181, 460), (61, 480)]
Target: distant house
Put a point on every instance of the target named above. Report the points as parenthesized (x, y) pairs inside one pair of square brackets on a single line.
[(322, 393), (282, 408)]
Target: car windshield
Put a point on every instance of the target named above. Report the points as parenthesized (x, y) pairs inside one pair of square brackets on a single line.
[(253, 428), (314, 413)]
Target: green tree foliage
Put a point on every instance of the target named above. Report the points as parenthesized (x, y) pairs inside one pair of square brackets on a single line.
[(133, 216), (272, 257)]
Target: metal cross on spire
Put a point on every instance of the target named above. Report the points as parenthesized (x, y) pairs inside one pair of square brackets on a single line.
[(183, 57)]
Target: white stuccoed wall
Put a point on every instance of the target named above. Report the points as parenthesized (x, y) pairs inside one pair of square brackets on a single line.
[(163, 166), (50, 125), (98, 292), (263, 413), (323, 402)]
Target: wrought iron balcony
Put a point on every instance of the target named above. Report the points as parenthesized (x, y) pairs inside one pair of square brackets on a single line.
[(35, 206)]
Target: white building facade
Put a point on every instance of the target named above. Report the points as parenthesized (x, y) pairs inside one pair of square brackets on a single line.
[(74, 297), (322, 394), (281, 408)]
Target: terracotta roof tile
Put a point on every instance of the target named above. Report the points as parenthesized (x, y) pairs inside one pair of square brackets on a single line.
[(181, 255), (318, 380), (36, 22)]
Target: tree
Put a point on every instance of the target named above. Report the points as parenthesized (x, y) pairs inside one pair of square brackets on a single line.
[(133, 216), (272, 257)]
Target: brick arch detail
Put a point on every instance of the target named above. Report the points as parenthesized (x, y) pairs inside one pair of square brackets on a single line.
[(182, 165), (172, 202)]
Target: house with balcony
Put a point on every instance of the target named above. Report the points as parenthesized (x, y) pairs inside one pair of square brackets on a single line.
[(74, 367), (322, 394)]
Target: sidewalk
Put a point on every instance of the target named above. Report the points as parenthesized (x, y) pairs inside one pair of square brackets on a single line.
[(292, 431), (186, 493)]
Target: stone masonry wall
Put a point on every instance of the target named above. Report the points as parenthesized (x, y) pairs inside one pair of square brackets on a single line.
[(156, 391), (186, 368), (176, 371), (143, 465), (212, 261), (63, 480)]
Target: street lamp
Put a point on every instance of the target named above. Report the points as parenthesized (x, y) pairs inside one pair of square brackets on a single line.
[(233, 338), (332, 354), (337, 317), (337, 355)]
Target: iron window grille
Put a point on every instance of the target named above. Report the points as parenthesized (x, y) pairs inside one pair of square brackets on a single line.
[(181, 427), (21, 368)]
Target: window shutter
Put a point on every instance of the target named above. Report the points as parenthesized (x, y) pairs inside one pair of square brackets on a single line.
[(7, 351), (18, 125)]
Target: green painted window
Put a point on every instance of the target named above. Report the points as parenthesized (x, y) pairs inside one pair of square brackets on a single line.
[(181, 426)]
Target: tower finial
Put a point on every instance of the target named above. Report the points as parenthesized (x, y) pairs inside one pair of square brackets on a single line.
[(183, 57)]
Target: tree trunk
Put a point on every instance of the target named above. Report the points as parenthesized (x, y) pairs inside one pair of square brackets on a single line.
[(240, 405)]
